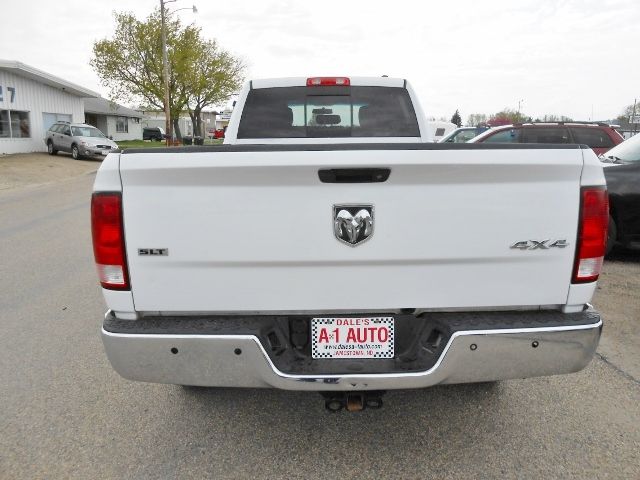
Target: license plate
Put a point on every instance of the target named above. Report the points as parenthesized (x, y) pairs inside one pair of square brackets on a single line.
[(105, 152), (364, 337)]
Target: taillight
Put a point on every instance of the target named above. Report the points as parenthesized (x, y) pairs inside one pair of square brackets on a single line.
[(592, 234), (328, 81), (108, 240)]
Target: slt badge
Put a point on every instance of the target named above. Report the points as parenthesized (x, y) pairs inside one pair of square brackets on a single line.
[(353, 223)]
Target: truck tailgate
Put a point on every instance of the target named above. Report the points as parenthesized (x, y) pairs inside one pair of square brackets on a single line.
[(253, 230)]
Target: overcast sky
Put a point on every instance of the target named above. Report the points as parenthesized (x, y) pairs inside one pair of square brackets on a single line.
[(567, 57)]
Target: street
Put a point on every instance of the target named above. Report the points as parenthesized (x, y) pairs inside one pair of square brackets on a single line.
[(67, 414)]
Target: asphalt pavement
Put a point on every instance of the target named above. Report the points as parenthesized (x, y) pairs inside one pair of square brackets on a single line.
[(66, 414)]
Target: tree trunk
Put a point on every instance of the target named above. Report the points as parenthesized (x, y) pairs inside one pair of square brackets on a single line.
[(196, 121), (193, 122), (198, 127), (197, 124), (176, 128)]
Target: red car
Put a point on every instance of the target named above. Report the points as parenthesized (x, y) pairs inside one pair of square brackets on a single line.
[(599, 136), (213, 133)]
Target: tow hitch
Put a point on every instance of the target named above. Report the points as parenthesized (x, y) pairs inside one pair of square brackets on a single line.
[(352, 401)]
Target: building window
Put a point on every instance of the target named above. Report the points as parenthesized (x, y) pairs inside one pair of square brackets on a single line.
[(136, 120), (14, 124), (121, 125), (4, 124)]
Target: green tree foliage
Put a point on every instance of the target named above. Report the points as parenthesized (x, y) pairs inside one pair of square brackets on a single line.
[(456, 119), (210, 79), (129, 64)]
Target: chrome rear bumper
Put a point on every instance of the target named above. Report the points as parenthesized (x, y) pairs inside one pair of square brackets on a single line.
[(241, 360)]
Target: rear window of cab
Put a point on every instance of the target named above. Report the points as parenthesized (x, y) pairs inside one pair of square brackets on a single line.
[(322, 112)]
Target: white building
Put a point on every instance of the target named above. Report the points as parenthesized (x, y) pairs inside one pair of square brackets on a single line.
[(222, 121), (115, 121), (30, 102), (155, 118)]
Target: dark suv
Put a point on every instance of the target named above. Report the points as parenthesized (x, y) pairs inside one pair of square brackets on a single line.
[(599, 136), (153, 133), (622, 171)]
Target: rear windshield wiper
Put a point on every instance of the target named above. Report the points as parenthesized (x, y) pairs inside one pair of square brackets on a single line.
[(611, 159)]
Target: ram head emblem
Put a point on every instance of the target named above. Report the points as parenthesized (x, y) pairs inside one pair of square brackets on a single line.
[(353, 224)]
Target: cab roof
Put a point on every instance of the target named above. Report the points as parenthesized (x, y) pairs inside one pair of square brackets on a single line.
[(302, 82)]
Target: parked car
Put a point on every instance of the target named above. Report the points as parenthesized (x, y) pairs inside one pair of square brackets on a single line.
[(79, 139), (463, 134), (600, 137), (622, 171), (215, 133), (153, 133), (342, 251)]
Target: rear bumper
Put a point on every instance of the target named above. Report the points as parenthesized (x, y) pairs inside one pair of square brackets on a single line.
[(469, 355)]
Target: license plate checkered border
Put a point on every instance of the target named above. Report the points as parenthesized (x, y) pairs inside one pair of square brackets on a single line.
[(317, 321)]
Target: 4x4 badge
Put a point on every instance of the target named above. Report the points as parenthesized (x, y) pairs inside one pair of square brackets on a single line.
[(353, 223), (540, 244)]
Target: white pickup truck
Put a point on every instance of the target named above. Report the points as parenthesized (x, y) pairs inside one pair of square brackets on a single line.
[(329, 246)]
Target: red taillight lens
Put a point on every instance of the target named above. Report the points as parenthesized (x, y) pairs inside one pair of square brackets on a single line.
[(328, 81), (592, 234), (108, 240)]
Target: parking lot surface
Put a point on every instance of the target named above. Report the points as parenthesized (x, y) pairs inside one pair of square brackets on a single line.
[(67, 414), (29, 169)]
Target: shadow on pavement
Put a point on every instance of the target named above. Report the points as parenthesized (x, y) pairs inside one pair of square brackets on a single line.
[(466, 413), (455, 431), (620, 254)]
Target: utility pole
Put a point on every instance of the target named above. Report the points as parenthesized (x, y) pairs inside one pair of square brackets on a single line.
[(165, 75), (165, 67), (633, 116), (519, 105)]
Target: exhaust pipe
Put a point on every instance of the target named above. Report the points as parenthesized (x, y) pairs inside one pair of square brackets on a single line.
[(355, 402), (352, 401)]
